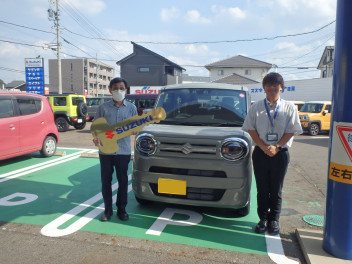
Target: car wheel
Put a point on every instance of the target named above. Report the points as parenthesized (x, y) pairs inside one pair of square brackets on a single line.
[(62, 124), (142, 201), (80, 126), (314, 129), (244, 211), (49, 146), (82, 109)]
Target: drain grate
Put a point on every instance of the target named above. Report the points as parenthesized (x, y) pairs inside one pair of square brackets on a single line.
[(316, 220)]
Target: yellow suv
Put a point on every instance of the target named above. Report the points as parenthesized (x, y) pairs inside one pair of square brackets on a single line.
[(69, 109), (315, 117)]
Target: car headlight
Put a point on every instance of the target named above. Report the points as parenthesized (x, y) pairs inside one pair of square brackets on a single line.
[(305, 117), (234, 149), (146, 144)]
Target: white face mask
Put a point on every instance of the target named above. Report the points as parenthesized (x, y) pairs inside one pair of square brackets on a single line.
[(118, 95)]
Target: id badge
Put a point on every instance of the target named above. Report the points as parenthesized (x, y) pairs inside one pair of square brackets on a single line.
[(272, 137)]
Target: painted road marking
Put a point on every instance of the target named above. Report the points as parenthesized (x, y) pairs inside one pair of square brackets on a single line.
[(51, 163), (166, 219), (28, 197), (36, 165), (276, 251), (52, 229)]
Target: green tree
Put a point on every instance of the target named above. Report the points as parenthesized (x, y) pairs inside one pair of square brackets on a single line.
[(2, 83)]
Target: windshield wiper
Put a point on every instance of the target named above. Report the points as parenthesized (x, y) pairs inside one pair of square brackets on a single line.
[(233, 124)]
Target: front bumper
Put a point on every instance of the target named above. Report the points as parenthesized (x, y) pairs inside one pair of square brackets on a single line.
[(209, 182)]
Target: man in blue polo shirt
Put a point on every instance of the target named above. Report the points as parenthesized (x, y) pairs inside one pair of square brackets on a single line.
[(115, 111)]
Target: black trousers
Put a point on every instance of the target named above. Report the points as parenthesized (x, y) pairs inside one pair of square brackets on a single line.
[(107, 165), (269, 175)]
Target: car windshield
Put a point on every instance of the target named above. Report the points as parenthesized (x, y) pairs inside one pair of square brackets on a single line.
[(312, 108), (203, 107)]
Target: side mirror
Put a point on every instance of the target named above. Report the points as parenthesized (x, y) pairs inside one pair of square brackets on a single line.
[(325, 112)]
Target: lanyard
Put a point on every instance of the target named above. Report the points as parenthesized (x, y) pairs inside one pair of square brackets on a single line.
[(268, 112)]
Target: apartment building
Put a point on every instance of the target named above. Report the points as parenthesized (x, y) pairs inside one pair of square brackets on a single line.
[(81, 76)]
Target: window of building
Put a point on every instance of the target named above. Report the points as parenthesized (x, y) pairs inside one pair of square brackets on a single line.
[(170, 70), (247, 72), (220, 72), (143, 69)]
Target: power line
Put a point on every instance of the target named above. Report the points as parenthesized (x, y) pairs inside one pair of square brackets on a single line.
[(18, 43), (13, 24), (211, 42)]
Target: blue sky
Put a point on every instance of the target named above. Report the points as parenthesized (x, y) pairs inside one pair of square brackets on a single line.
[(164, 27)]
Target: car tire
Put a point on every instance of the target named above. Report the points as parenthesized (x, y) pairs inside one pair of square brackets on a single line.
[(244, 211), (80, 126), (49, 147), (62, 124), (82, 109), (314, 129), (142, 201)]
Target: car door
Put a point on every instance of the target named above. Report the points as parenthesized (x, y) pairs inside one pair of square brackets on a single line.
[(9, 128), (32, 123), (326, 118)]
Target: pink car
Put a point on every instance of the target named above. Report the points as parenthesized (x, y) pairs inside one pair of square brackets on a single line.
[(26, 125)]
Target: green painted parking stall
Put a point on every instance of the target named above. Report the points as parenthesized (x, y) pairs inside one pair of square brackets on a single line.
[(62, 194)]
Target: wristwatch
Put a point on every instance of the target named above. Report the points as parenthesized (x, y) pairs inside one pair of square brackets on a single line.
[(278, 146)]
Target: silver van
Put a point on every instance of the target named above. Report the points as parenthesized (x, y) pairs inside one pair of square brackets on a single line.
[(93, 103), (198, 155)]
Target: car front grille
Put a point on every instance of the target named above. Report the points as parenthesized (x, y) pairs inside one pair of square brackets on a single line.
[(200, 194), (187, 148), (188, 172)]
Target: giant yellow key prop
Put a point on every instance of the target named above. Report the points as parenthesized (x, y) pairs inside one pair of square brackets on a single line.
[(110, 134)]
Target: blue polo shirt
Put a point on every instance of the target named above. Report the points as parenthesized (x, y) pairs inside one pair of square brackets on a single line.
[(114, 114)]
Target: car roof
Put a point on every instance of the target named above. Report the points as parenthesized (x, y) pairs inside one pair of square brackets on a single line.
[(318, 102), (20, 93), (207, 86)]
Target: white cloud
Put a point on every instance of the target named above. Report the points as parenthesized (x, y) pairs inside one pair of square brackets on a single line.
[(168, 14), (194, 17), (234, 13)]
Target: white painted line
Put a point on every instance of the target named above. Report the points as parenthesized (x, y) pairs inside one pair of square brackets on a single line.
[(77, 155), (276, 251), (52, 229), (38, 165), (79, 149)]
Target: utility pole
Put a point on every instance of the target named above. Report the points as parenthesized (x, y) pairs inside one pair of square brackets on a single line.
[(96, 72), (58, 46)]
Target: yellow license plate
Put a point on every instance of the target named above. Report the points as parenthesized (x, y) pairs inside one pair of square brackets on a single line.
[(172, 186)]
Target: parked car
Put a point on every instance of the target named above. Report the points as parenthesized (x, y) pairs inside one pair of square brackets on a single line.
[(315, 117), (198, 155), (298, 104), (93, 103), (69, 109), (142, 101), (26, 125)]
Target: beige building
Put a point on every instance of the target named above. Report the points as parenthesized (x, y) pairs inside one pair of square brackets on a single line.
[(81, 76), (238, 67)]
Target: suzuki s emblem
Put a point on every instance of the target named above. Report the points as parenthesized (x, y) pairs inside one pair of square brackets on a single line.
[(186, 148)]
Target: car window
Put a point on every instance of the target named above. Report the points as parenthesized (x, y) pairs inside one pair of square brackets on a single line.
[(60, 101), (28, 106), (77, 100), (328, 107), (6, 108), (311, 108)]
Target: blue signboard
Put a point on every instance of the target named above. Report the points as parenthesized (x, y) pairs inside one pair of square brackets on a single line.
[(35, 75)]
